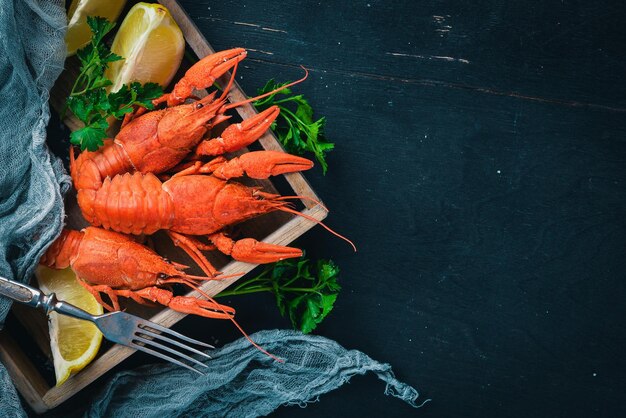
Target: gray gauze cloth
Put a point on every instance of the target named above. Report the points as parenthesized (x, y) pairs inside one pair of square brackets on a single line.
[(32, 182), (241, 381)]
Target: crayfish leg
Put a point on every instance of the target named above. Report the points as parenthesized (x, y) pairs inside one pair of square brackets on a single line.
[(107, 290), (198, 167), (185, 304), (192, 247)]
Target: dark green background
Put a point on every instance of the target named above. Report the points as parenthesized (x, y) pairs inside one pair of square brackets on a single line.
[(480, 170)]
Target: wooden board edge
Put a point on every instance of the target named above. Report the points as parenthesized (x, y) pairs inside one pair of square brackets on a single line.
[(23, 373)]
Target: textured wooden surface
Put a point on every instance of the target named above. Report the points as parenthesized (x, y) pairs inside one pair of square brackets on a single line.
[(480, 169)]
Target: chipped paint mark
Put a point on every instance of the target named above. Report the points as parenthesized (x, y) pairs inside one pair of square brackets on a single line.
[(443, 26), (247, 24), (397, 54), (450, 59), (430, 57), (273, 30), (253, 25), (260, 51)]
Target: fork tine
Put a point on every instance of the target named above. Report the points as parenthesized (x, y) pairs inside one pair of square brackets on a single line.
[(164, 330), (161, 337), (168, 349), (163, 356)]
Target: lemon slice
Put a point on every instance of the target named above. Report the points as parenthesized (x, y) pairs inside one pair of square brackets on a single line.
[(74, 342), (152, 45), (78, 33)]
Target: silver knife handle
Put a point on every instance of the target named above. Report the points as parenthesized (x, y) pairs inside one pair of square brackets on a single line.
[(20, 292), (37, 299)]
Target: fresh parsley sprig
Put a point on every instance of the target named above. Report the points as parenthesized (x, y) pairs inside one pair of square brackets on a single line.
[(295, 127), (89, 100), (305, 291)]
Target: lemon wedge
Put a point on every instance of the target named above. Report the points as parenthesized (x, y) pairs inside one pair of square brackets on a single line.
[(152, 45), (78, 33), (74, 342)]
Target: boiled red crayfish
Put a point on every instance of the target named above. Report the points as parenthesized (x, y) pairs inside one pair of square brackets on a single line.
[(113, 264), (120, 187)]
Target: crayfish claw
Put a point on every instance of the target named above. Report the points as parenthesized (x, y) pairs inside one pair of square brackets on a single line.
[(262, 165), (239, 135), (250, 250), (254, 127), (208, 309), (203, 74)]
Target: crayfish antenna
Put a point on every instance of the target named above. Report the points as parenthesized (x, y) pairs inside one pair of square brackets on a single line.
[(258, 347), (312, 219), (253, 99), (190, 246), (307, 198), (230, 82)]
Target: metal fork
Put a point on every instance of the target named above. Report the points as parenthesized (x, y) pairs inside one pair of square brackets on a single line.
[(119, 327)]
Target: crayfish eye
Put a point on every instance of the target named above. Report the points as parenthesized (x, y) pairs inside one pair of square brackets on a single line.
[(199, 105)]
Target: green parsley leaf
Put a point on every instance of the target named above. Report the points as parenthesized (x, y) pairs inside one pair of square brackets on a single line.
[(99, 27), (147, 93), (304, 292), (89, 100), (90, 137), (79, 106), (123, 100), (295, 127)]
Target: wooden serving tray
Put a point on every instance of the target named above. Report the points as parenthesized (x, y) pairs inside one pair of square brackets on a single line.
[(277, 228)]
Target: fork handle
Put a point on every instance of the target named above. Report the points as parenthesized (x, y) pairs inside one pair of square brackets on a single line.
[(30, 296), (20, 292)]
